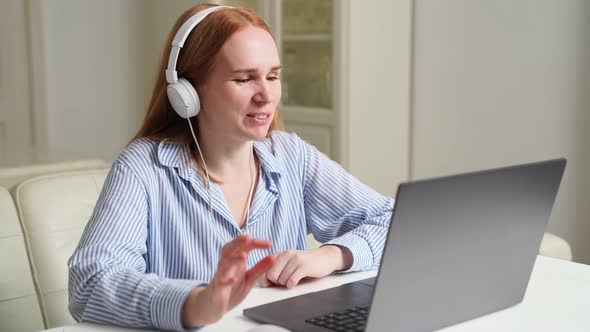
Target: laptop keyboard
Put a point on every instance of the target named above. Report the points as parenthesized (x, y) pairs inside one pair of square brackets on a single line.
[(353, 319)]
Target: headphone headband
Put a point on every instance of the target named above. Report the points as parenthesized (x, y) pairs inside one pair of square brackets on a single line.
[(180, 38)]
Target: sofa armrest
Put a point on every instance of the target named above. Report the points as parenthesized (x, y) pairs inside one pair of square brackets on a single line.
[(556, 247)]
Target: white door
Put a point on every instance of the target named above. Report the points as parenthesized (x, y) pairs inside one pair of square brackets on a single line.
[(305, 36), (16, 143)]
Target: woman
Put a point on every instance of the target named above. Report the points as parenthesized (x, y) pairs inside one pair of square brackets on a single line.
[(183, 227)]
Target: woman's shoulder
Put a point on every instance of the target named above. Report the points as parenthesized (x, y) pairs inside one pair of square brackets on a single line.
[(139, 153), (284, 150)]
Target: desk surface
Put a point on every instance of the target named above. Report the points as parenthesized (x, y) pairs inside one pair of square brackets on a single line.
[(557, 299)]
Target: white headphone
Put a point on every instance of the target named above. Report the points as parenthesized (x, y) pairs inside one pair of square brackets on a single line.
[(182, 95)]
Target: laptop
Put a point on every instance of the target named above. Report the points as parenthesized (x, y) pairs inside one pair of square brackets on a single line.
[(458, 247)]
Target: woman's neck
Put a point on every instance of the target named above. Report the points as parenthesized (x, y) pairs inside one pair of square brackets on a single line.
[(226, 160)]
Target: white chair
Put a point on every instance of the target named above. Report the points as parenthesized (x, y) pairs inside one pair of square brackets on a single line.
[(19, 305), (53, 211)]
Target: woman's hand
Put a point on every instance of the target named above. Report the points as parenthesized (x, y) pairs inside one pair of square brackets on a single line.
[(230, 285), (293, 265)]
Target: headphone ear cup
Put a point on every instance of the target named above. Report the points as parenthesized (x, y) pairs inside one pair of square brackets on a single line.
[(184, 98)]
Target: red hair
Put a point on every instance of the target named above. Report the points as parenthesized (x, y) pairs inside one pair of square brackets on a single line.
[(195, 62)]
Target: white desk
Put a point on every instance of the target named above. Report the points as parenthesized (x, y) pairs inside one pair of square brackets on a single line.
[(557, 299)]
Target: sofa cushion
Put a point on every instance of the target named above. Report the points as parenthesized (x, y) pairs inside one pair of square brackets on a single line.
[(19, 304), (54, 210)]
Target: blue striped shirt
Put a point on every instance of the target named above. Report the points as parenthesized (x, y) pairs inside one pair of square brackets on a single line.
[(152, 238)]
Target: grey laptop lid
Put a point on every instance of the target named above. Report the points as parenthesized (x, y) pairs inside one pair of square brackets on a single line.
[(462, 246)]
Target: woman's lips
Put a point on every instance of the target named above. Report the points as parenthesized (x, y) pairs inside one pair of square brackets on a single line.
[(259, 118)]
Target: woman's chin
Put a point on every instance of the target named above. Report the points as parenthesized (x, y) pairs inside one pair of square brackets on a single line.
[(258, 134)]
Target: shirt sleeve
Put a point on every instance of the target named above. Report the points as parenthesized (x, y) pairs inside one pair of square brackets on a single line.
[(341, 210), (108, 282)]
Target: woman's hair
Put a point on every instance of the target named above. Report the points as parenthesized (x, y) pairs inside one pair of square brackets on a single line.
[(195, 62)]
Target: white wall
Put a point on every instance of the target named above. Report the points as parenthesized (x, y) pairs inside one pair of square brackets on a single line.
[(159, 18), (99, 67), (17, 139), (378, 93), (94, 76), (502, 82)]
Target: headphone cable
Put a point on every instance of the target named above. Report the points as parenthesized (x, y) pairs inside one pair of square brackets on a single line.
[(208, 187)]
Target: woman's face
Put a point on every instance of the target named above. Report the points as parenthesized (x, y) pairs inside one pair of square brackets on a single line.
[(241, 94)]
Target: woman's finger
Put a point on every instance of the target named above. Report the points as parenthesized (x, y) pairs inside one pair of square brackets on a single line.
[(258, 270), (255, 244), (245, 244), (229, 266), (230, 269), (293, 263), (235, 244), (232, 264), (263, 281), (295, 277), (275, 272)]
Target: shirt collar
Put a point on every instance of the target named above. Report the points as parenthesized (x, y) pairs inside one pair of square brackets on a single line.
[(178, 156), (266, 154), (175, 155)]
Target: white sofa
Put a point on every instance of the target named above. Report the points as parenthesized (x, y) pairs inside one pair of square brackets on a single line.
[(556, 247), (24, 277), (52, 212)]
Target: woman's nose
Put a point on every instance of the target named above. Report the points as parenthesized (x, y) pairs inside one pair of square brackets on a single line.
[(263, 94)]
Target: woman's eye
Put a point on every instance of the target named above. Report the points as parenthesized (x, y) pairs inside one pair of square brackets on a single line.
[(272, 78), (242, 80)]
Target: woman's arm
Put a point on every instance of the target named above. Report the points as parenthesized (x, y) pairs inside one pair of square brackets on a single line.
[(341, 210), (108, 283), (348, 217)]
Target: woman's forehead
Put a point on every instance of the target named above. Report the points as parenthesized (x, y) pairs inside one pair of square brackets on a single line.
[(249, 48)]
